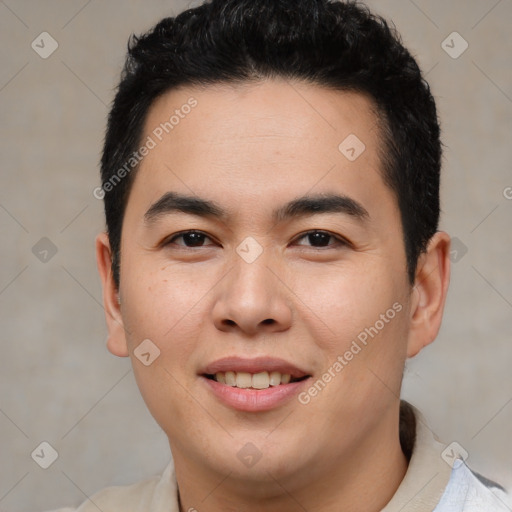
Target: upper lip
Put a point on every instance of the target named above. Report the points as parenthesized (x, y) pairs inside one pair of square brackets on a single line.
[(253, 365)]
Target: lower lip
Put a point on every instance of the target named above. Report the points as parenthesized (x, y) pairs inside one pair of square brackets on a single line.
[(254, 400)]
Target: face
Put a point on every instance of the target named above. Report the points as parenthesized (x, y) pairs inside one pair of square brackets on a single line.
[(254, 243)]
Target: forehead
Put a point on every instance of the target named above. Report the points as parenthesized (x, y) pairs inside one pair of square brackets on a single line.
[(273, 138), (231, 113)]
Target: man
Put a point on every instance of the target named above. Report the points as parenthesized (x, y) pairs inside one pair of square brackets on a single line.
[(271, 183)]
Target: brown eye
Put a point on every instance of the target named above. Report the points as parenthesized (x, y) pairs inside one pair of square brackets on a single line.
[(189, 239), (319, 238)]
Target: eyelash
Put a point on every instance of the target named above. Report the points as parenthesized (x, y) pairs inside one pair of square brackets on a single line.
[(339, 241)]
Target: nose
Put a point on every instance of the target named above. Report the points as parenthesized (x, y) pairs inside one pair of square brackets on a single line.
[(252, 299)]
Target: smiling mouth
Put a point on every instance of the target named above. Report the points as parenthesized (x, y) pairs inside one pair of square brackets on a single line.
[(260, 380)]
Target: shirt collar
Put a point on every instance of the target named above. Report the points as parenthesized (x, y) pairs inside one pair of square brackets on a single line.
[(427, 474)]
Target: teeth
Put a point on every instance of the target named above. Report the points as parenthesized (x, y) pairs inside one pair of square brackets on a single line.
[(275, 378), (244, 380), (260, 380), (230, 378)]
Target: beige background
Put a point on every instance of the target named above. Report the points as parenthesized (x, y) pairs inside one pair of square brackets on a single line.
[(57, 381)]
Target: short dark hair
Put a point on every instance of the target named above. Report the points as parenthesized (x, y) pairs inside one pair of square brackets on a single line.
[(340, 45)]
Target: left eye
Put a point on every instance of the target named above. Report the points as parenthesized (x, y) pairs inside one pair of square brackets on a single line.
[(320, 239)]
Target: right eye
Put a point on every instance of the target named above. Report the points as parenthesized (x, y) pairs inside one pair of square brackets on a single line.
[(189, 239)]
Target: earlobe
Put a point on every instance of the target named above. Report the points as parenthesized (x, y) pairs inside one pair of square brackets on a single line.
[(429, 293), (116, 342)]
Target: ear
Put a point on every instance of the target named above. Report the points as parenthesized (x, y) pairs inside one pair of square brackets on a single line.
[(116, 342), (429, 293)]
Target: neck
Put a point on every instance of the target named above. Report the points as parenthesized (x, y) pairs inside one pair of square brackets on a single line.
[(321, 486)]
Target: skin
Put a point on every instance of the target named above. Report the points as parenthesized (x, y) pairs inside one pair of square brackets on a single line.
[(250, 149)]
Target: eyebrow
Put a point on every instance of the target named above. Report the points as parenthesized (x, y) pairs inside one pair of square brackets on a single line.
[(172, 202)]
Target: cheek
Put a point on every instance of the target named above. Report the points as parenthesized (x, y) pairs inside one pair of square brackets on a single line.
[(164, 303), (360, 325), (165, 394), (164, 306), (339, 302)]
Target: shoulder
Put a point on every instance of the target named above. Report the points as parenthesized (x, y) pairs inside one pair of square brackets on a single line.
[(437, 479), (145, 496), (468, 491)]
